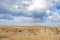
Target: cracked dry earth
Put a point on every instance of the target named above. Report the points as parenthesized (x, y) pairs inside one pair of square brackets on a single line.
[(29, 33)]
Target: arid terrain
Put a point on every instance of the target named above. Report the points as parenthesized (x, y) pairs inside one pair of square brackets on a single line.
[(29, 33)]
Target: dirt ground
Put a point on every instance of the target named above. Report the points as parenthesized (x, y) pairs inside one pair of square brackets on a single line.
[(10, 33), (28, 37)]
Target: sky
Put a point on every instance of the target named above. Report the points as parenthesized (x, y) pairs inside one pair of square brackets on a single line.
[(29, 12)]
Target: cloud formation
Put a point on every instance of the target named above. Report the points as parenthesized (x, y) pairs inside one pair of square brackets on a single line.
[(30, 12)]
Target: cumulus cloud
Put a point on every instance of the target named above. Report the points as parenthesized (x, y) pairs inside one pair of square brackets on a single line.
[(38, 5), (29, 12), (25, 6), (55, 17)]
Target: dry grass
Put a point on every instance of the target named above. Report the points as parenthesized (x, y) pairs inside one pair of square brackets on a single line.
[(29, 33)]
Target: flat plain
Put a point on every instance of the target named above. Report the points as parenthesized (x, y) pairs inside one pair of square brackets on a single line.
[(29, 33)]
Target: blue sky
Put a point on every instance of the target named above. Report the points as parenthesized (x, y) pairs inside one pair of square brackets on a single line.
[(30, 12)]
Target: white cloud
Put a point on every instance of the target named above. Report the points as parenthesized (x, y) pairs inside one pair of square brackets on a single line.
[(23, 19), (1, 15), (48, 12), (15, 6), (25, 2), (55, 17), (38, 5), (50, 17)]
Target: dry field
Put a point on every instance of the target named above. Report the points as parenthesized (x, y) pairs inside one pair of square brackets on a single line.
[(29, 33)]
